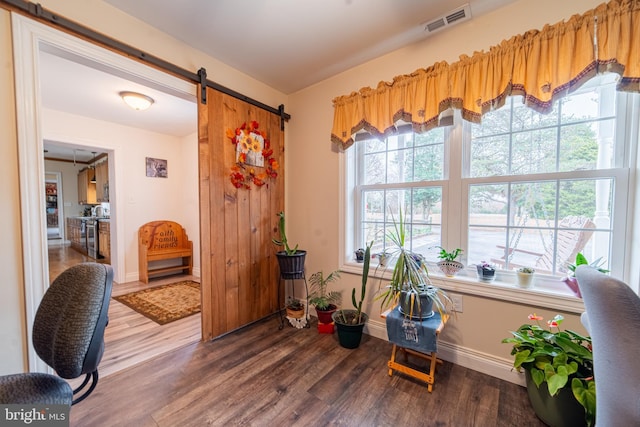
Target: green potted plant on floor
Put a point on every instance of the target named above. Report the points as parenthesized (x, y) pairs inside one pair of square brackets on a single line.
[(350, 322), (324, 301), (291, 261), (558, 365), (448, 264), (410, 286)]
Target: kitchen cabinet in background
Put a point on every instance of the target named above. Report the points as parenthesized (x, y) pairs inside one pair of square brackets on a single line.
[(86, 188), (104, 240), (102, 181)]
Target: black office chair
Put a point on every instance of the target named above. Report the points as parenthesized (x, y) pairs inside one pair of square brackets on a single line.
[(68, 335), (613, 320)]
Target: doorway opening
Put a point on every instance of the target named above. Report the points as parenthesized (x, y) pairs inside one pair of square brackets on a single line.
[(41, 117)]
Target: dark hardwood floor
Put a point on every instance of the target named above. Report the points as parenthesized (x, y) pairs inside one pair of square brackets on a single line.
[(262, 376)]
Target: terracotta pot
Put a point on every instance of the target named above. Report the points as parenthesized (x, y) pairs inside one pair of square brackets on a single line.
[(296, 314)]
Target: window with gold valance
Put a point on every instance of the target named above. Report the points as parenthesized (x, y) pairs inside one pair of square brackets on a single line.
[(541, 65)]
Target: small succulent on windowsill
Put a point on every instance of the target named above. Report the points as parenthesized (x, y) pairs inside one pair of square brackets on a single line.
[(448, 264)]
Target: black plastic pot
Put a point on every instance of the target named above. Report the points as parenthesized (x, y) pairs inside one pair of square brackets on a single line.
[(419, 311), (291, 266), (349, 336), (561, 410)]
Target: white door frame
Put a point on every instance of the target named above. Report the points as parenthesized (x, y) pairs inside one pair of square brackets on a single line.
[(29, 37)]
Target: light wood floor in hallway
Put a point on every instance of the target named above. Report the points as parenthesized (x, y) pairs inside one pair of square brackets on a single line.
[(130, 337)]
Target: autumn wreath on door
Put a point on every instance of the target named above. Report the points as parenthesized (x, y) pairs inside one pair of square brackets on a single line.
[(254, 156)]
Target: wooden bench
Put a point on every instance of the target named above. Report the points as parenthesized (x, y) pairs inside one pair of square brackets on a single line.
[(163, 240)]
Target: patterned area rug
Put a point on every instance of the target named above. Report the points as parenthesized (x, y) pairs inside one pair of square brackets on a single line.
[(166, 303)]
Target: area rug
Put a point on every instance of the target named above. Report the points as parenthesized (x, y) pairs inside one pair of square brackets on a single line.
[(166, 303)]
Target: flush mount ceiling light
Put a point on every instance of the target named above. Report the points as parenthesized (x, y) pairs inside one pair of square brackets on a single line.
[(137, 101)]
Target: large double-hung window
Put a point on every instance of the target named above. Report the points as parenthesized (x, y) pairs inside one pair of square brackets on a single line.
[(519, 189)]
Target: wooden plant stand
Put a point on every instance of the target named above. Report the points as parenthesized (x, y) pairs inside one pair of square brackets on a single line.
[(429, 376)]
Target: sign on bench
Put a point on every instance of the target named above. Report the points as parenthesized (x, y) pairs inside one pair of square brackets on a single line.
[(161, 241)]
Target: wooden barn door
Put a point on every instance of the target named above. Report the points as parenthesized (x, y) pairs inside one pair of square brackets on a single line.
[(239, 270)]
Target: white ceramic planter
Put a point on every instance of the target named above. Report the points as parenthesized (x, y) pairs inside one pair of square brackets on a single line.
[(525, 280)]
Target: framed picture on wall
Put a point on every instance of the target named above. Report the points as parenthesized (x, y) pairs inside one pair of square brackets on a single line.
[(156, 168)]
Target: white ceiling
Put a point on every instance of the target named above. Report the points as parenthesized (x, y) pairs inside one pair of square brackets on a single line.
[(291, 44), (286, 44)]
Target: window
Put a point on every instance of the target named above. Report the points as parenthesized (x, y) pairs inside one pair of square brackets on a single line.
[(519, 189)]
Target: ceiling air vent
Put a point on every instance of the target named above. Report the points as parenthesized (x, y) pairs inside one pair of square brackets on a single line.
[(463, 13)]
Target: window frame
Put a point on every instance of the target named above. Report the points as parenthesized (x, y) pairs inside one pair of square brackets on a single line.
[(546, 293)]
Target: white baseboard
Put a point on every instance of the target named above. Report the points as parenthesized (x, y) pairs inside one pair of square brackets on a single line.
[(469, 358)]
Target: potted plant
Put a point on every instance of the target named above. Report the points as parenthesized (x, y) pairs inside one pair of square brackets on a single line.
[(558, 366), (410, 285), (291, 261), (486, 271), (524, 276), (350, 323), (323, 300), (449, 266), (295, 308), (571, 280)]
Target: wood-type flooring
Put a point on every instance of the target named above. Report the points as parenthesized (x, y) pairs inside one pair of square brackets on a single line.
[(262, 376), (154, 375)]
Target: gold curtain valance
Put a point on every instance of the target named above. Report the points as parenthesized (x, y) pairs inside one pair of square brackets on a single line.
[(541, 65)]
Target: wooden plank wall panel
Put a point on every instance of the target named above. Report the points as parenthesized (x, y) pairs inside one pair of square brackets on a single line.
[(242, 269)]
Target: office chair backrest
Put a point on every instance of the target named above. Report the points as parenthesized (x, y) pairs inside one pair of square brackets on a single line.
[(68, 329), (613, 313)]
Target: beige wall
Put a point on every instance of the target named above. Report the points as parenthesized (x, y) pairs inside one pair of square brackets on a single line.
[(312, 202)]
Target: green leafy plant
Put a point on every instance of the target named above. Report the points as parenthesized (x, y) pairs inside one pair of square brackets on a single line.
[(526, 270), (409, 276), (318, 294), (294, 304), (354, 317), (560, 358), (449, 256), (283, 237), (582, 260)]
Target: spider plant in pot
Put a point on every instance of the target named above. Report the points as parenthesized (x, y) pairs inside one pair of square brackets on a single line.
[(324, 301), (410, 286), (291, 261), (350, 323), (449, 266)]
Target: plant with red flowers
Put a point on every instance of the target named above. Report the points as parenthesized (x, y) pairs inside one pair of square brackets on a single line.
[(250, 141), (561, 358)]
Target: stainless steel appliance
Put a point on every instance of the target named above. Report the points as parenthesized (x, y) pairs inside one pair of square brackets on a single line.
[(92, 238)]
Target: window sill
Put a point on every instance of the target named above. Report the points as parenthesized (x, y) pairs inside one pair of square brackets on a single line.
[(547, 292)]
